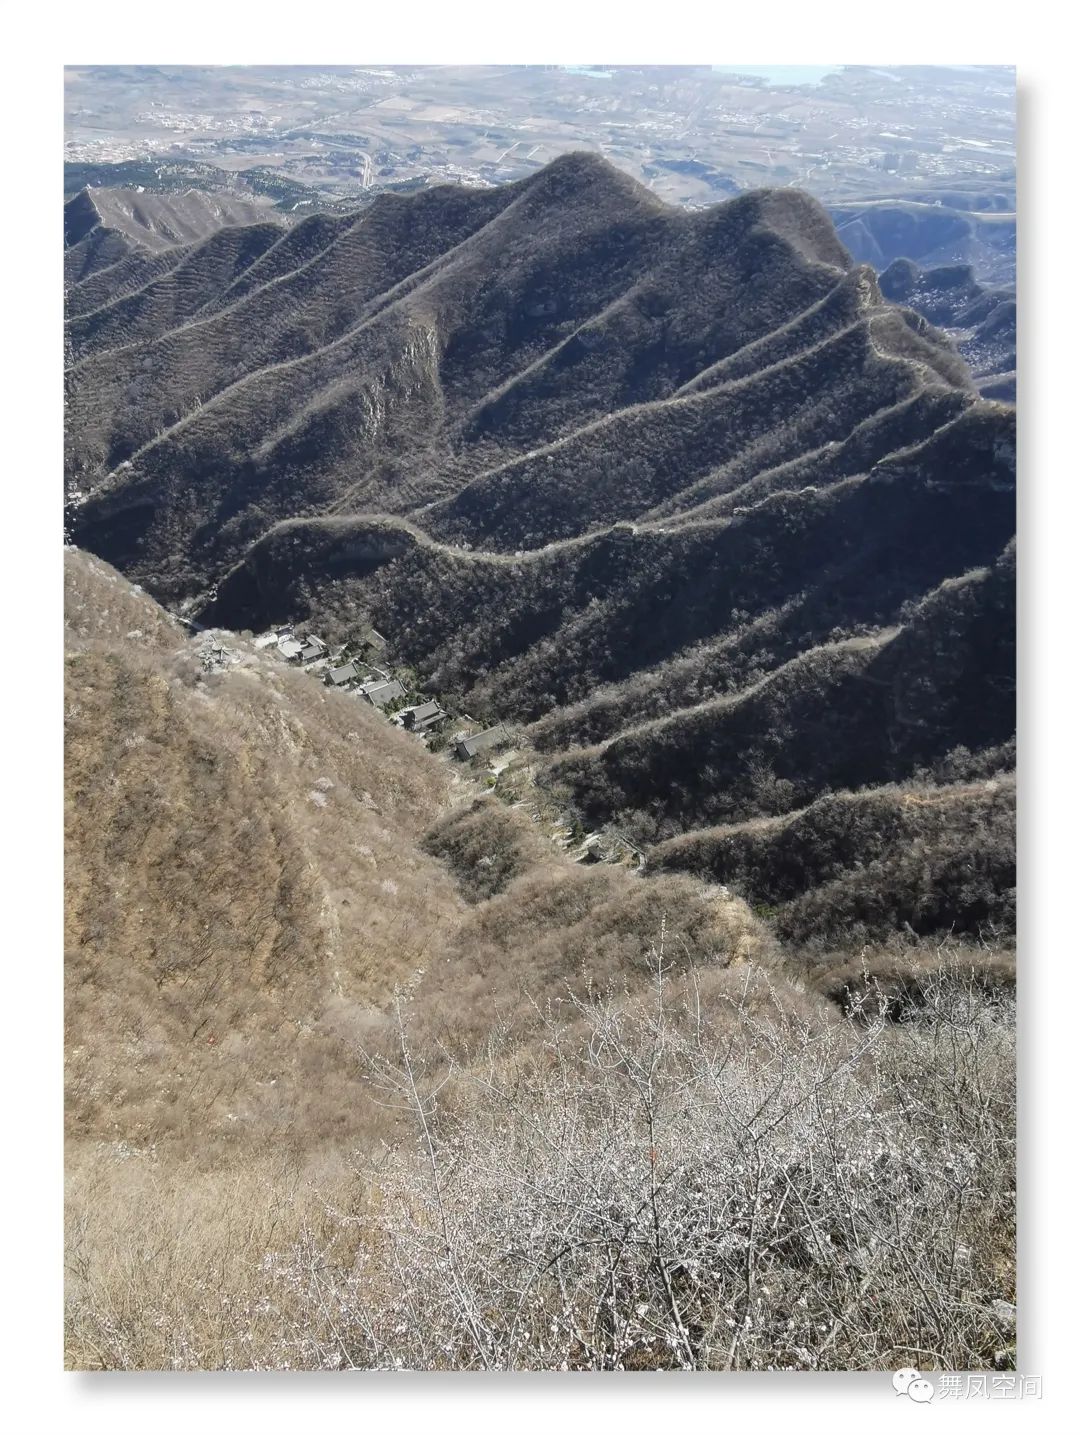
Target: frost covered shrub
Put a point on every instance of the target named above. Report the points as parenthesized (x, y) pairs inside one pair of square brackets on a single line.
[(667, 1188), (686, 1179)]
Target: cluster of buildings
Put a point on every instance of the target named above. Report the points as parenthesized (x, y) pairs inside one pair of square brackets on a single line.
[(350, 668), (353, 668)]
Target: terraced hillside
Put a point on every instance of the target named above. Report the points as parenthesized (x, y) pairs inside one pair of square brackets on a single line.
[(722, 529)]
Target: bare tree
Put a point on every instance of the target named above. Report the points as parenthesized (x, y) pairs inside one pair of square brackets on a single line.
[(707, 1185)]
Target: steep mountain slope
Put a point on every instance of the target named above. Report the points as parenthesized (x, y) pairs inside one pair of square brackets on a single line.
[(290, 931), (255, 863), (102, 224), (375, 374), (152, 297), (683, 495), (860, 865), (840, 716), (981, 321)]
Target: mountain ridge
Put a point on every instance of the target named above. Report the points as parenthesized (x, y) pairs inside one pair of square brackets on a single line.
[(602, 469)]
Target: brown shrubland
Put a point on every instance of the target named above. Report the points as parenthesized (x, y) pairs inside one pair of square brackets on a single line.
[(337, 1099), (691, 1179)]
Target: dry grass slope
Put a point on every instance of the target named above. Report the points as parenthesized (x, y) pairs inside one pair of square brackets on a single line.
[(286, 945), (255, 865)]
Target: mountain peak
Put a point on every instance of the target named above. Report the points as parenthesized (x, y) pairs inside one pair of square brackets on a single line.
[(80, 216), (799, 219), (584, 174)]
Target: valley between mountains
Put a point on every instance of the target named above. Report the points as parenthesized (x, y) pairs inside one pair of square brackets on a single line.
[(672, 1028), (725, 535)]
